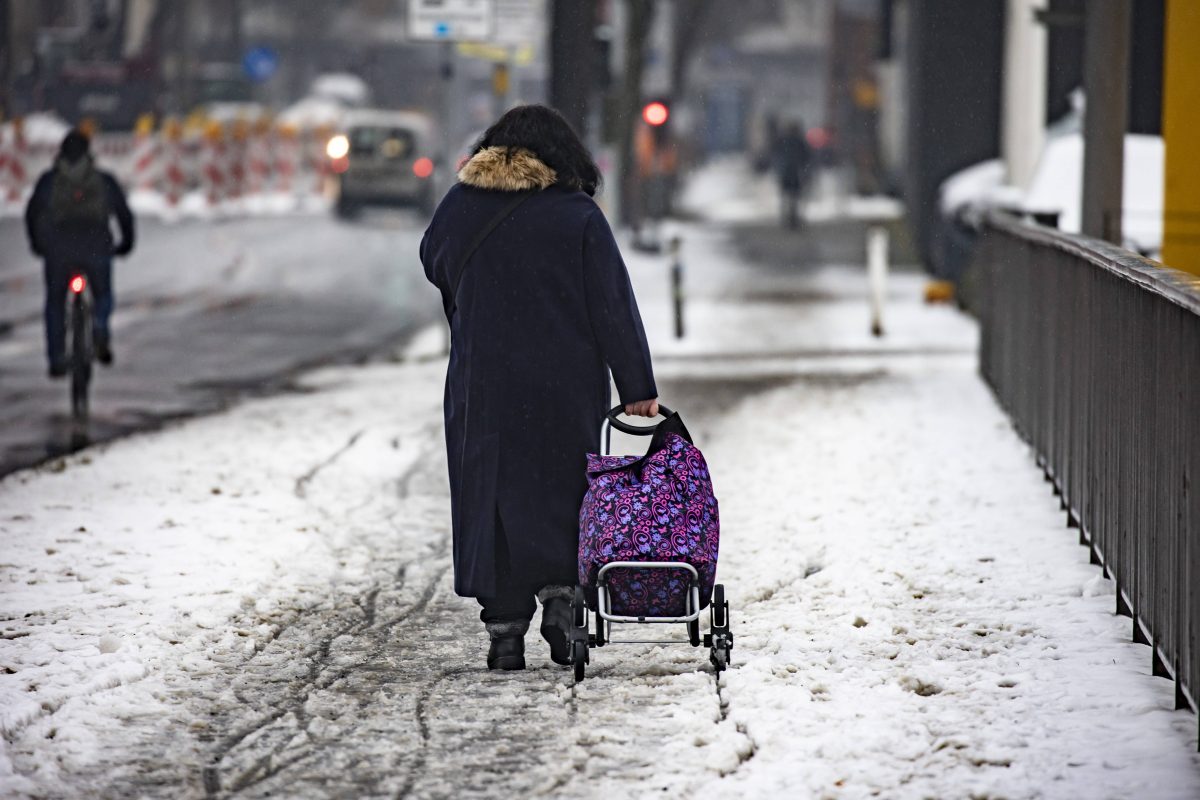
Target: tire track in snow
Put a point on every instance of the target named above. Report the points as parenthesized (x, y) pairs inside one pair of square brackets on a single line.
[(415, 771), (323, 675), (301, 487), (320, 678), (393, 698)]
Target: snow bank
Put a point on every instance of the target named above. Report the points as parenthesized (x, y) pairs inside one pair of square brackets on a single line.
[(1058, 187)]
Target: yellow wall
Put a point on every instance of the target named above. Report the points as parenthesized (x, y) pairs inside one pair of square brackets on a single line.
[(1181, 131)]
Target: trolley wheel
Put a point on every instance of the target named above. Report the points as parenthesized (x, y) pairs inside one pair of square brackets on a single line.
[(579, 634), (694, 632), (720, 641)]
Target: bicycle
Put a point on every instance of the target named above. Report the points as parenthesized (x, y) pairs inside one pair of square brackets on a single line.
[(79, 341)]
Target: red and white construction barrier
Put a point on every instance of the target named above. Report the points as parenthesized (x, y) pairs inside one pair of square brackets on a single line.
[(259, 164), (287, 160), (14, 173), (173, 182), (316, 162), (147, 162), (235, 161), (180, 171), (214, 173)]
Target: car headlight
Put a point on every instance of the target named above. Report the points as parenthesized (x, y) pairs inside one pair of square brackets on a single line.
[(338, 147)]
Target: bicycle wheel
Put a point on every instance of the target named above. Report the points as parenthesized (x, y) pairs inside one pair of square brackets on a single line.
[(81, 358)]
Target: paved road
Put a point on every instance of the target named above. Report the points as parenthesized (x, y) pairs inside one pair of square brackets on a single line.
[(207, 312)]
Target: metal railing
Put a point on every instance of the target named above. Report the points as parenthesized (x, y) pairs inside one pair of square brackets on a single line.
[(1095, 354)]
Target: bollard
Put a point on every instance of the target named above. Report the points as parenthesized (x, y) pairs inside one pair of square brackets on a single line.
[(877, 267), (677, 284)]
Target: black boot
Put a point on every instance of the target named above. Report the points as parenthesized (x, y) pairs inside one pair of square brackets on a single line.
[(556, 621), (507, 650)]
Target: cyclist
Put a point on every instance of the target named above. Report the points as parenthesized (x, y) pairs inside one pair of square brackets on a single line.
[(69, 223)]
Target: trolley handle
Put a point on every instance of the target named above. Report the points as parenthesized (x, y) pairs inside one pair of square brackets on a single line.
[(635, 430)]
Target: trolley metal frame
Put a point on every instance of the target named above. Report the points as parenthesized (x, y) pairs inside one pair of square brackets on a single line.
[(719, 640)]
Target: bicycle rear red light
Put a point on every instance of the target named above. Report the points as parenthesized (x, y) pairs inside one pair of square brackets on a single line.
[(78, 283)]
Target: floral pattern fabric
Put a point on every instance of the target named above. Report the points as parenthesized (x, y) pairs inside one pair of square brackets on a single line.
[(658, 507)]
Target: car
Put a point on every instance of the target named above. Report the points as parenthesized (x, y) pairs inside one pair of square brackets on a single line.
[(383, 158)]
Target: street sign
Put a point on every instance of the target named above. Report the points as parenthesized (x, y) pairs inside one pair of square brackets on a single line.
[(518, 56), (260, 63), (450, 20), (519, 22)]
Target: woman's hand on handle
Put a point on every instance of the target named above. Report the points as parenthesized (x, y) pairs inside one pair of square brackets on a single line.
[(643, 408)]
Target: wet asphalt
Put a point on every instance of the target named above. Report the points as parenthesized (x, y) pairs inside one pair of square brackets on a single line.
[(209, 312)]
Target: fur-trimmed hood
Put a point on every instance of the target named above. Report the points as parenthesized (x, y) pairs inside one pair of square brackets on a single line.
[(505, 170)]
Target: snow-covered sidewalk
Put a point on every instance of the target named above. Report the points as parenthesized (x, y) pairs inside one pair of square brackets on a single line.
[(259, 602)]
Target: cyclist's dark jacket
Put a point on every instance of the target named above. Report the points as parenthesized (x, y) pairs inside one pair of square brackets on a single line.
[(88, 243), (543, 311)]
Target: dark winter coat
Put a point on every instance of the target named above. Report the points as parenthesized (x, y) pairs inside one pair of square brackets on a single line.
[(792, 157), (544, 309), (87, 243)]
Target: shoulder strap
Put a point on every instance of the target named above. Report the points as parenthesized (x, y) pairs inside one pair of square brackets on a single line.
[(461, 266)]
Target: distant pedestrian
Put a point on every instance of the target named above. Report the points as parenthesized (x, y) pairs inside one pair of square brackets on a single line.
[(540, 309), (792, 160), (69, 224)]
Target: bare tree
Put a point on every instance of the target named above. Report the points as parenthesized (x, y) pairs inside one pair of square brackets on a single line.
[(572, 60), (640, 14), (690, 21)]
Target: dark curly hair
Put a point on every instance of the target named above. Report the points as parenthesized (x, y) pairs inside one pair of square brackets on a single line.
[(545, 133)]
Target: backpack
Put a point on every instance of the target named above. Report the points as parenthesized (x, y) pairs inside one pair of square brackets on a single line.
[(78, 197)]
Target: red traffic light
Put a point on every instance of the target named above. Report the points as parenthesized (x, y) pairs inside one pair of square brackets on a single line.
[(655, 113)]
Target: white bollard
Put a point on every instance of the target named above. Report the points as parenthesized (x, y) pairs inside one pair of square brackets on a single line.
[(877, 269)]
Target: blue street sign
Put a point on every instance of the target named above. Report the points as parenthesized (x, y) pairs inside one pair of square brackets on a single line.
[(260, 63)]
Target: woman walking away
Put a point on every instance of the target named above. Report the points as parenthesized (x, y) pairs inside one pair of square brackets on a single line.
[(540, 309)]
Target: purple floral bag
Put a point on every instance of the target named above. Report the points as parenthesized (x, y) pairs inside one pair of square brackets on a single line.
[(656, 507)]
